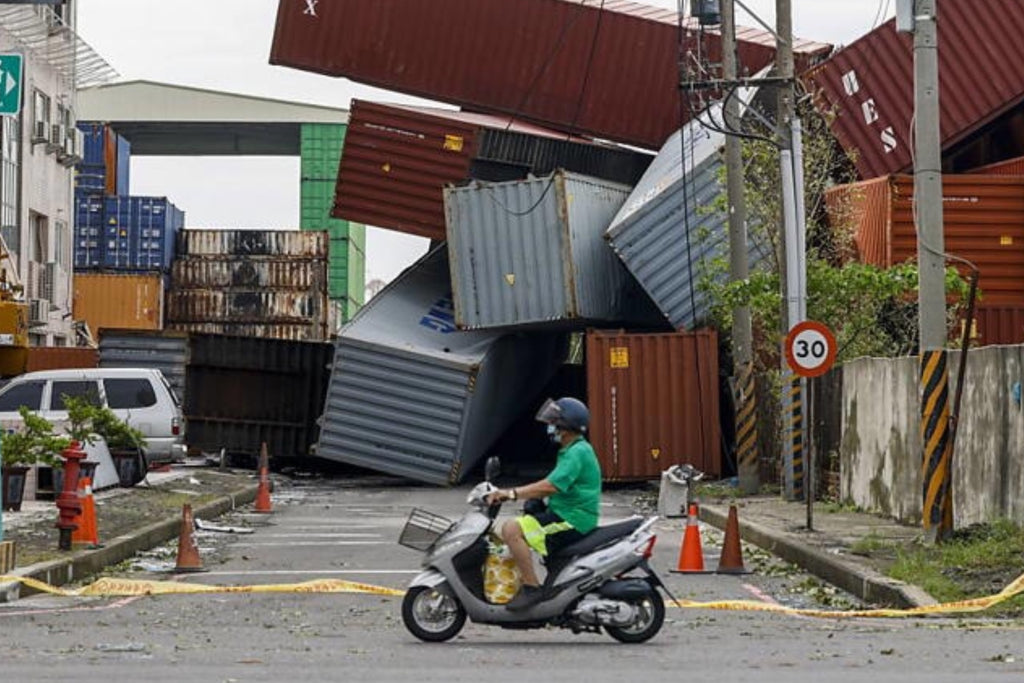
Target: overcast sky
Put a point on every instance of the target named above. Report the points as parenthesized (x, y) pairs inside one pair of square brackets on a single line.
[(224, 45)]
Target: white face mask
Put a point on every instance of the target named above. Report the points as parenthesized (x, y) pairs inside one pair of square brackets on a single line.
[(554, 434)]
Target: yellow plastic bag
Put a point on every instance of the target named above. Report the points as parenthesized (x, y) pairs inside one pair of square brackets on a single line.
[(501, 576)]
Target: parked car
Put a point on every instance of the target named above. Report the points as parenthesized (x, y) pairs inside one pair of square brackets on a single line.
[(139, 396)]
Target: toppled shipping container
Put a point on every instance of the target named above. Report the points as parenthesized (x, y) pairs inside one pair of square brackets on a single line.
[(610, 70), (410, 395), (666, 233), (532, 252), (983, 220), (398, 159), (654, 402), (868, 87)]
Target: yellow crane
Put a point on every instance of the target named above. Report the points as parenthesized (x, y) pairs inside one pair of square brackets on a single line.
[(13, 322)]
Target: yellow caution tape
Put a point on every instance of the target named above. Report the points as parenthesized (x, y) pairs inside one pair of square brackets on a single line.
[(110, 588)]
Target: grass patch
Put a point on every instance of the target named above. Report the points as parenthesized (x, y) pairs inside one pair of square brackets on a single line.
[(716, 490), (872, 543), (979, 561)]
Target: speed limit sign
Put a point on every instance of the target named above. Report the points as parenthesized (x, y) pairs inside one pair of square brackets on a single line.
[(810, 349)]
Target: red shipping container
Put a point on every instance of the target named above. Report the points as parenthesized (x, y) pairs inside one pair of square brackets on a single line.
[(61, 358), (870, 83), (1008, 167), (998, 325), (613, 74), (654, 402), (984, 223), (398, 159)]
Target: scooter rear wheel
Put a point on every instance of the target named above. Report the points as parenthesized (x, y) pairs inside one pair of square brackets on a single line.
[(432, 615), (652, 616)]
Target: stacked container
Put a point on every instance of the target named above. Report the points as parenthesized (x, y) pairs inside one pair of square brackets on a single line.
[(251, 282), (105, 163)]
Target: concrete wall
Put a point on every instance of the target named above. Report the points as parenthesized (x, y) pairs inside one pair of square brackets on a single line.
[(880, 452)]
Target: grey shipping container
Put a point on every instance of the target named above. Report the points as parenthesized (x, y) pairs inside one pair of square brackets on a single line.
[(532, 252), (221, 243), (410, 395), (165, 351), (235, 272), (665, 233)]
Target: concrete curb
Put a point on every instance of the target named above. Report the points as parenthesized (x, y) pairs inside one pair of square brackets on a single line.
[(86, 562), (866, 584)]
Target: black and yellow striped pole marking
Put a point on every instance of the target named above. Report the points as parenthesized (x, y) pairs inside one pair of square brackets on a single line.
[(796, 437), (746, 431), (938, 496)]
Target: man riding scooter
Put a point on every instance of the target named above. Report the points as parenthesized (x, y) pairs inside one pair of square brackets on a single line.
[(573, 489)]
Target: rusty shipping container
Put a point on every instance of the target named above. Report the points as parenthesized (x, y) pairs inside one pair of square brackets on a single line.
[(61, 358), (119, 301), (249, 273), (994, 325), (870, 83), (311, 244), (1013, 166), (287, 332), (654, 402), (398, 159), (247, 306), (570, 65), (984, 223)]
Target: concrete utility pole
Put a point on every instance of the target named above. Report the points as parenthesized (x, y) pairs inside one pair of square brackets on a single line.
[(739, 270), (938, 506)]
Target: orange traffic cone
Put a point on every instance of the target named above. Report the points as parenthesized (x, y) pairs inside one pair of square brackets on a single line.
[(86, 532), (188, 552), (691, 557), (731, 561), (263, 492)]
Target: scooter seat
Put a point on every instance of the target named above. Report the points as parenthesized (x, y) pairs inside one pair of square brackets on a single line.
[(599, 537)]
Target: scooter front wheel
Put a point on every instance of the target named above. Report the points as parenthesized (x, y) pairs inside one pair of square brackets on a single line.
[(651, 609), (432, 615)]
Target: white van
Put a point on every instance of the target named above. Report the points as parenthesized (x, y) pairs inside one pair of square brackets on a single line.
[(139, 396)]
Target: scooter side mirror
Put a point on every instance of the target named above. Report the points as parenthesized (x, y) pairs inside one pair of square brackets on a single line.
[(492, 469)]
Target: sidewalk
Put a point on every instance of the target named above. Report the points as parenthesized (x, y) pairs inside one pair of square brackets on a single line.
[(129, 520), (780, 527)]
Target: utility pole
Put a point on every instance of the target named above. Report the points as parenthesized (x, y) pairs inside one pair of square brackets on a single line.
[(739, 270), (937, 490), (792, 387)]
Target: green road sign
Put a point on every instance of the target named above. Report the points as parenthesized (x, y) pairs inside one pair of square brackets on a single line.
[(11, 71)]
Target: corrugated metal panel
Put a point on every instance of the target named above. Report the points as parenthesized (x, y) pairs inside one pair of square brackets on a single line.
[(119, 301), (245, 391), (221, 243), (563, 64), (532, 252), (984, 223), (267, 331), (1008, 167), (60, 358), (864, 209), (270, 273), (650, 232), (654, 402), (139, 233), (870, 83), (398, 159), (165, 351), (412, 396), (246, 306), (998, 325)]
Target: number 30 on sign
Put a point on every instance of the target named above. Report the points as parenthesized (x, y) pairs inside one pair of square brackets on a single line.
[(810, 349)]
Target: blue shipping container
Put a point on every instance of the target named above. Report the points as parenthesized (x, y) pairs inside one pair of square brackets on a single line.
[(88, 251), (140, 232), (124, 161), (93, 172)]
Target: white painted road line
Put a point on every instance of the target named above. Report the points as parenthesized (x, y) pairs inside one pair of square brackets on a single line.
[(307, 572), (296, 544), (320, 535)]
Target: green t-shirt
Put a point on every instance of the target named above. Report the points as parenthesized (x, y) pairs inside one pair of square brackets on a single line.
[(577, 476)]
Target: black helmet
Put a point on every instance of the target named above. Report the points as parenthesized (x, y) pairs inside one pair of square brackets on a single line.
[(565, 413)]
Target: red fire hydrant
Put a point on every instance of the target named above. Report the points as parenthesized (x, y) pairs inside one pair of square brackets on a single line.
[(68, 503)]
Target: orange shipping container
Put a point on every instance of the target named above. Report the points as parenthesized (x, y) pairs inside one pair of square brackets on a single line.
[(61, 358), (998, 325), (134, 302), (654, 401), (1009, 167), (983, 216)]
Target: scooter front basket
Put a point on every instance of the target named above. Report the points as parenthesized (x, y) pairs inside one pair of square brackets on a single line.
[(422, 529)]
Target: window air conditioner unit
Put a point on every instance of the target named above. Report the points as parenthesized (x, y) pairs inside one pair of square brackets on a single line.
[(39, 132), (38, 311), (56, 143)]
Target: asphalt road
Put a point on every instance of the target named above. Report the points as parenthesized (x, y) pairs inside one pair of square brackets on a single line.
[(345, 531)]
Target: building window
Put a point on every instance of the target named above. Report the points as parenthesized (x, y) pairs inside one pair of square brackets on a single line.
[(40, 116), (10, 224), (40, 236), (60, 243)]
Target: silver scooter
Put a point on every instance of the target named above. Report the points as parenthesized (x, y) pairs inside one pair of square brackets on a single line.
[(586, 588)]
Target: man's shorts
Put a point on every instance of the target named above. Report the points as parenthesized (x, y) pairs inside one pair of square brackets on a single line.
[(547, 532)]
